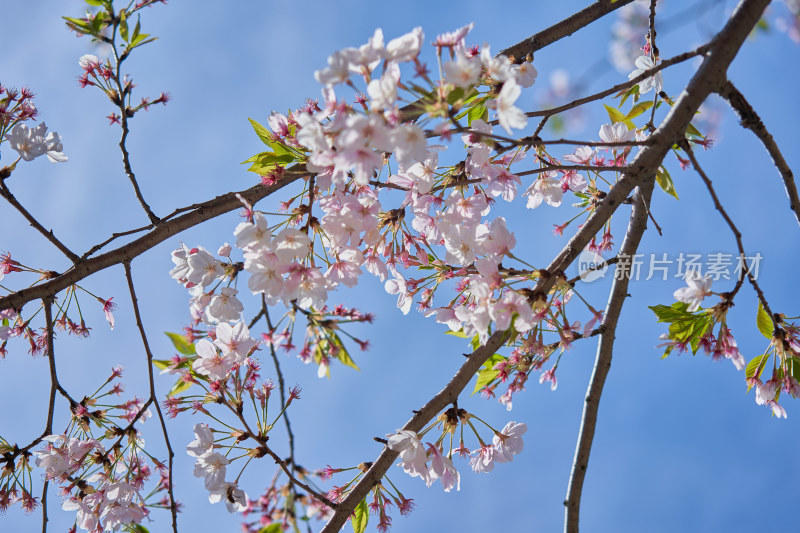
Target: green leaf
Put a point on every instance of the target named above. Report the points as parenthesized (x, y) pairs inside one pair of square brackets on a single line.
[(485, 377), (487, 373), (638, 109), (97, 22), (275, 527), (137, 29), (685, 327), (161, 364), (476, 112), (267, 161), (614, 114), (455, 95), (671, 313), (360, 517), (343, 355), (475, 342), (262, 132), (79, 25), (691, 130), (123, 25), (180, 343), (460, 333), (664, 181), (179, 387), (764, 323), (633, 91), (141, 39), (138, 528), (97, 3), (754, 364), (795, 367)]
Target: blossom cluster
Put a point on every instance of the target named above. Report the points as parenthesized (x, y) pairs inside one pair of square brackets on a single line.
[(102, 477), (414, 456), (210, 466)]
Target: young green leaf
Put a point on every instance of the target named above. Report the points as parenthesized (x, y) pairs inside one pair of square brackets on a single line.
[(123, 25), (179, 387), (763, 322), (614, 114), (755, 366), (180, 343), (360, 517), (664, 181), (638, 109), (476, 112)]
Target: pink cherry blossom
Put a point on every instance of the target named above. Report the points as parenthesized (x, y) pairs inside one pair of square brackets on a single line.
[(210, 363), (509, 441), (698, 288)]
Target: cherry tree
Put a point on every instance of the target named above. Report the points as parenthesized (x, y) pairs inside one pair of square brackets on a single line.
[(423, 175)]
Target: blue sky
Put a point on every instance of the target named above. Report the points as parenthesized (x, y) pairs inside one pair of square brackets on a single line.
[(679, 445)]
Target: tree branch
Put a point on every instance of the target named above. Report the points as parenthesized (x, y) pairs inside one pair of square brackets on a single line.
[(441, 400), (135, 302), (562, 29), (125, 113), (619, 291), (199, 213), (5, 192), (546, 37), (680, 58), (745, 271), (721, 51), (749, 119)]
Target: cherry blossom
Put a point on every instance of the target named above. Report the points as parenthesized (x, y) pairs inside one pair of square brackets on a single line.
[(442, 468), (698, 288), (508, 442), (211, 467), (210, 363), (644, 63), (234, 340), (508, 114), (413, 457), (235, 498), (204, 444)]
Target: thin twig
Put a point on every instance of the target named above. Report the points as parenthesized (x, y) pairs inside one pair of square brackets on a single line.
[(749, 119), (745, 270), (622, 86), (5, 192), (124, 109), (91, 251), (48, 429), (619, 291), (135, 302), (281, 382)]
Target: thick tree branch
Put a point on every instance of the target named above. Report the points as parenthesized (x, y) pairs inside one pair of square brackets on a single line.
[(199, 213), (750, 120), (546, 37), (565, 28), (710, 75), (445, 397), (619, 291)]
